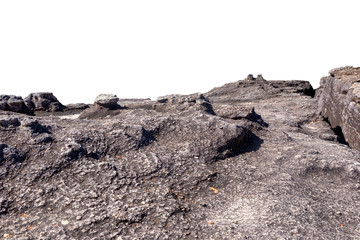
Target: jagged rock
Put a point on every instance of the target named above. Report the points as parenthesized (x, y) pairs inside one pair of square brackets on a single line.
[(107, 100), (188, 167), (250, 77), (9, 157), (4, 205), (16, 104), (43, 101), (12, 103), (9, 122), (338, 98), (183, 103), (260, 78), (246, 91)]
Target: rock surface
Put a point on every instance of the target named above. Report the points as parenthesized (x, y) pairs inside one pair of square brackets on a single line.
[(43, 101), (339, 102), (107, 100), (249, 160), (12, 103)]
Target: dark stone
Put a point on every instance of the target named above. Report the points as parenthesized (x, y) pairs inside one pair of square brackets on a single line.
[(43, 101), (9, 157), (12, 103), (250, 77)]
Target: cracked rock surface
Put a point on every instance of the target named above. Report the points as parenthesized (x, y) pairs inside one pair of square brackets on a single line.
[(252, 159), (339, 102)]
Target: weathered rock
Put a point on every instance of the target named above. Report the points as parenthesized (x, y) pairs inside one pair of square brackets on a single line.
[(16, 104), (76, 106), (183, 103), (139, 103), (12, 103), (107, 100), (43, 101), (180, 171), (250, 77), (339, 102), (246, 90), (9, 157)]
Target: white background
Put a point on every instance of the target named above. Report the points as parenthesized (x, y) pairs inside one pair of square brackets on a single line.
[(78, 49)]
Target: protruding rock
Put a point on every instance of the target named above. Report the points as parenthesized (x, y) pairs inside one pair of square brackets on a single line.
[(260, 78), (107, 100), (183, 103), (43, 101), (9, 156), (9, 122), (342, 72), (339, 102), (12, 103), (250, 77)]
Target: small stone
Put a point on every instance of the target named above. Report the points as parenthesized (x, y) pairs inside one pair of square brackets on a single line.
[(64, 222), (78, 217)]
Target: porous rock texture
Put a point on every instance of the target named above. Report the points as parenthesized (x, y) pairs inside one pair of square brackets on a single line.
[(250, 160), (43, 101), (339, 102)]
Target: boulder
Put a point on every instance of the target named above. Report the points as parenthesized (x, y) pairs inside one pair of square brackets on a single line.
[(339, 102), (43, 101), (3, 102), (12, 103), (107, 100), (16, 104)]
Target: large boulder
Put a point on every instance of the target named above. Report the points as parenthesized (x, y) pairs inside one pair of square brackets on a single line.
[(43, 101), (339, 102), (107, 100), (12, 103)]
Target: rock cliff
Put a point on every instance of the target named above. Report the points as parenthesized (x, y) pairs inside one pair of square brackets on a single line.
[(339, 102), (253, 159)]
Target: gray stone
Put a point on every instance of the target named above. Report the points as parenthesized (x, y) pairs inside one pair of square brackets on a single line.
[(107, 100), (338, 101), (16, 104), (12, 103), (263, 164)]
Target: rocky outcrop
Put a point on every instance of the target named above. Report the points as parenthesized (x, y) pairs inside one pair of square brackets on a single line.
[(34, 102), (12, 103), (107, 100), (183, 103), (252, 159), (339, 102), (43, 101), (254, 89)]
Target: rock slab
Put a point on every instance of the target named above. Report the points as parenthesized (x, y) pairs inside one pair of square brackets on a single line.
[(339, 102)]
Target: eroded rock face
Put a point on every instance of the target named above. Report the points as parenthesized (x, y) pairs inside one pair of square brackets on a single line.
[(12, 103), (249, 160), (43, 101), (339, 102)]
